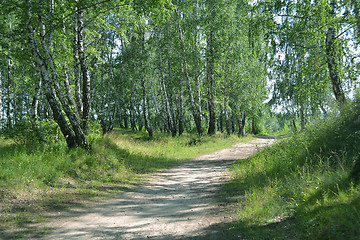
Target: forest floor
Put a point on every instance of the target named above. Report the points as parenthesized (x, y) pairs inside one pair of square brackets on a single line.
[(179, 203)]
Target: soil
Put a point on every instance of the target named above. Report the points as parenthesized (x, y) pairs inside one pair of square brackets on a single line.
[(179, 203)]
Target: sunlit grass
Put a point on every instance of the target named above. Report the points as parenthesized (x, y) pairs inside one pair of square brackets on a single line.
[(35, 179), (187, 146), (299, 187)]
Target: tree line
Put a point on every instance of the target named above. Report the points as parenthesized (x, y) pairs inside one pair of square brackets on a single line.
[(173, 66)]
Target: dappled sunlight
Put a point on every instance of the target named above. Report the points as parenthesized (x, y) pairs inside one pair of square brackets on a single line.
[(178, 204)]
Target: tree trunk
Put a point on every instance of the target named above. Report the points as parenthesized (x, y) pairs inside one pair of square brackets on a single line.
[(132, 106), (241, 123), (210, 74), (164, 94), (68, 93), (49, 93), (196, 65), (72, 116), (232, 122), (221, 120), (226, 97), (331, 59), (253, 130), (169, 105), (181, 108), (196, 112), (121, 87), (227, 120), (9, 98), (86, 84), (158, 112), (77, 86), (8, 85), (294, 125), (145, 109), (239, 120), (74, 137), (302, 118)]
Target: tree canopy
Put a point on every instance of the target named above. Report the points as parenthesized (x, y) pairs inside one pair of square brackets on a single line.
[(174, 66)]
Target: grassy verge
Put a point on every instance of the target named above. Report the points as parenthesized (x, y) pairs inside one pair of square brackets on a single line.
[(37, 181), (299, 188)]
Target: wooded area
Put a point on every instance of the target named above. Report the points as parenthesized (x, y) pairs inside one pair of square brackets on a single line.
[(98, 97), (173, 66)]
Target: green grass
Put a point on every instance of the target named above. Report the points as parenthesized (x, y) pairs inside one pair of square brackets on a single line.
[(299, 188), (37, 179)]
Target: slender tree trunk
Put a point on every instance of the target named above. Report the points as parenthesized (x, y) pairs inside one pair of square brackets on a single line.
[(232, 122), (196, 112), (253, 130), (35, 102), (302, 118), (294, 125), (221, 120), (121, 91), (144, 92), (227, 120), (164, 94), (210, 54), (22, 100), (140, 119), (74, 121), (196, 65), (50, 95), (9, 98), (169, 106), (181, 108), (69, 97), (8, 84), (34, 111), (75, 136), (132, 105), (86, 83), (77, 85), (239, 120), (331, 59), (158, 112), (226, 97), (241, 123), (167, 123)]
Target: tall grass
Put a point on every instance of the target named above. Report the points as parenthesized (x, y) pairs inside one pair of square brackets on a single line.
[(38, 178), (299, 188)]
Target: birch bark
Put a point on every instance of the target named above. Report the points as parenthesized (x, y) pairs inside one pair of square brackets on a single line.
[(331, 59), (196, 112)]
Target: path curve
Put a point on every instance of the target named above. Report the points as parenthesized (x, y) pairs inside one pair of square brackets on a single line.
[(177, 204)]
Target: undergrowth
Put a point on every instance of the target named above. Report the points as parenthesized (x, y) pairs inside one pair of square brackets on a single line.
[(299, 188), (40, 178)]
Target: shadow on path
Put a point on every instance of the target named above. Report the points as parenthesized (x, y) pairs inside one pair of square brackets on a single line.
[(178, 204)]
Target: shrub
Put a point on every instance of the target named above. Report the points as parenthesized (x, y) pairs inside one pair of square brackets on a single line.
[(29, 131)]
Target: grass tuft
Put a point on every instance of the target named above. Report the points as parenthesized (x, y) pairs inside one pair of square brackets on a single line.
[(299, 188)]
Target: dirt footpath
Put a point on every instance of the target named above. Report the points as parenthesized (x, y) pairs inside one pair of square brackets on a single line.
[(177, 204)]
